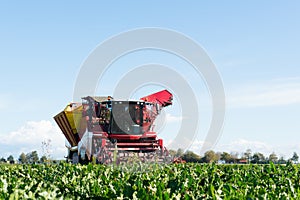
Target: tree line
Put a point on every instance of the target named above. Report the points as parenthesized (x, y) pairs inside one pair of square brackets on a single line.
[(29, 158), (32, 157), (189, 156), (225, 157)]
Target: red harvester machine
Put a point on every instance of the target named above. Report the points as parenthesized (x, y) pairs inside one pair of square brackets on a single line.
[(105, 130)]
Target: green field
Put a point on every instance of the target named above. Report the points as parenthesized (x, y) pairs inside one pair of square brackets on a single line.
[(175, 181)]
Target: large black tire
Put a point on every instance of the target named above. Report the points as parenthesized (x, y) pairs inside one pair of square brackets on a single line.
[(75, 158), (84, 161)]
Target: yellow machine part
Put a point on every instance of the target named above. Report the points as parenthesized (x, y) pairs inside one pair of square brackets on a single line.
[(69, 121), (74, 116)]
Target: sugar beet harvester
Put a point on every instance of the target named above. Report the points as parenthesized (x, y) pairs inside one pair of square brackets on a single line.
[(105, 130)]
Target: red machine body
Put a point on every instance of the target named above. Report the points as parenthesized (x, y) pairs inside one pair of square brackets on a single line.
[(109, 127)]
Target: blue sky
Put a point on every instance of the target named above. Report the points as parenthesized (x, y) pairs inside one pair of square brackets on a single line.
[(255, 47)]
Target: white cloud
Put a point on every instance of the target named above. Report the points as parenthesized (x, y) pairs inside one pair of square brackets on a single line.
[(241, 145), (196, 146), (170, 118), (272, 93), (29, 137)]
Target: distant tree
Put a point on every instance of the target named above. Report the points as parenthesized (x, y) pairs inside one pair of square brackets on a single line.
[(190, 156), (3, 160), (28, 158), (258, 158), (22, 158), (273, 157), (295, 157), (255, 158), (43, 159), (226, 157), (32, 157), (248, 155), (234, 157), (172, 152), (35, 157), (218, 155), (46, 148), (11, 159), (282, 160), (210, 156), (179, 152)]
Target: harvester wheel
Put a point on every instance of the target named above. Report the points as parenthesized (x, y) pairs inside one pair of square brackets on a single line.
[(75, 158)]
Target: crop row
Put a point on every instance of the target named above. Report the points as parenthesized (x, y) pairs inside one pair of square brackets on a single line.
[(140, 181)]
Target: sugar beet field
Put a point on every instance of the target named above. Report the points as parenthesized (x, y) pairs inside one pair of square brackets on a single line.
[(137, 181)]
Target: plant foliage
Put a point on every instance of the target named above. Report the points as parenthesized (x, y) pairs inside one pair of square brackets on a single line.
[(140, 181)]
